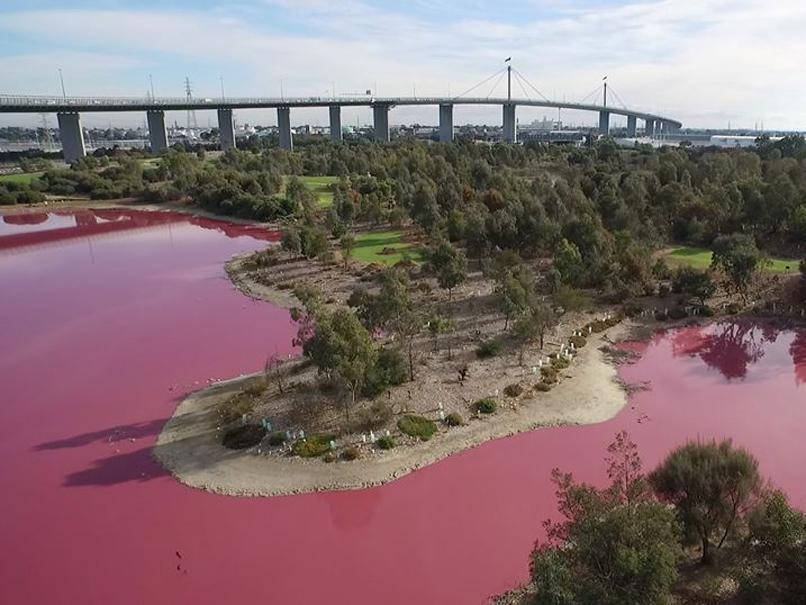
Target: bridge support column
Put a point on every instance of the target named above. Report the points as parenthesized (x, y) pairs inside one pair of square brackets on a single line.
[(72, 137), (226, 129), (446, 123), (632, 121), (335, 123), (604, 123), (510, 125), (284, 125), (649, 129), (380, 121), (157, 134)]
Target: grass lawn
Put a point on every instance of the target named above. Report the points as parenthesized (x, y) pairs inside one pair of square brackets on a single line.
[(368, 247), (24, 177), (320, 186), (700, 258)]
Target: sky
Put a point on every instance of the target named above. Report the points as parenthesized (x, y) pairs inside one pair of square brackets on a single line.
[(706, 63)]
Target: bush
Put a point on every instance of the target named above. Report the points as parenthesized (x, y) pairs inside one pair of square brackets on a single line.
[(255, 387), (417, 426), (733, 308), (705, 311), (454, 419), (664, 290), (375, 417), (487, 349), (329, 457), (390, 369), (578, 341), (560, 363), (312, 446), (513, 390), (548, 374), (678, 313), (234, 408), (487, 405), (242, 437), (631, 309), (350, 453), (386, 442), (277, 438), (661, 315), (543, 387)]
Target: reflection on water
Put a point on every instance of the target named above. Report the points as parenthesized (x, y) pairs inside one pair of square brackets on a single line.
[(730, 347)]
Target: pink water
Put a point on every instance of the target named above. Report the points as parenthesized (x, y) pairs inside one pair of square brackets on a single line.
[(109, 318)]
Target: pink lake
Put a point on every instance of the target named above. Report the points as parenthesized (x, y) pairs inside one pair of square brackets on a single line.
[(110, 317)]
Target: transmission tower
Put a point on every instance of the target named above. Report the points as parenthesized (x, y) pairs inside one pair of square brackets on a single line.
[(191, 118)]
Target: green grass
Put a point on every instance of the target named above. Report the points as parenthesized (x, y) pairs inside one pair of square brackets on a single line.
[(700, 258), (23, 177), (319, 186), (369, 248)]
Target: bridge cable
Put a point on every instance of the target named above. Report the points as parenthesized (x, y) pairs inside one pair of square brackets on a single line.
[(618, 98), (520, 75), (479, 84), (588, 96), (520, 83), (497, 82)]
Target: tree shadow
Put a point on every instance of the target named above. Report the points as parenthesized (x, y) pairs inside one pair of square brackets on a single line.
[(113, 434)]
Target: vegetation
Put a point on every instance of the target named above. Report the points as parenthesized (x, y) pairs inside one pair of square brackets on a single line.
[(417, 426), (383, 247), (454, 419), (312, 446), (485, 406), (387, 442), (234, 408), (244, 436)]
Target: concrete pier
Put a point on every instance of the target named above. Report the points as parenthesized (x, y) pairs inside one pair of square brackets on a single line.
[(632, 122), (649, 129), (380, 121), (510, 125), (446, 123), (335, 123), (72, 137), (604, 123), (284, 124), (157, 133), (226, 129)]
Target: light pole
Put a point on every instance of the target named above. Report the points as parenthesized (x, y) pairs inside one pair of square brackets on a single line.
[(151, 85)]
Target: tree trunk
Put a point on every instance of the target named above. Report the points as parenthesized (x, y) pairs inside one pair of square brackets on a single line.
[(706, 552)]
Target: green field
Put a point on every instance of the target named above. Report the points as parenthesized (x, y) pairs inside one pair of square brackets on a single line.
[(319, 186), (369, 247), (23, 177), (700, 258)]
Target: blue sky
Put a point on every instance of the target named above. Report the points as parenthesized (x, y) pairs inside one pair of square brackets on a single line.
[(706, 62)]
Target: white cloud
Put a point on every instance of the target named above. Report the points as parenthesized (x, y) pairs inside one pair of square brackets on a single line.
[(705, 62)]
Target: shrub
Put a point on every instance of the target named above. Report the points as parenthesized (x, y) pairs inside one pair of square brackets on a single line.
[(387, 442), (548, 374), (417, 426), (486, 405), (678, 313), (578, 341), (329, 457), (661, 315), (560, 363), (543, 387), (242, 437), (390, 369), (454, 419), (375, 417), (664, 290), (705, 311), (350, 453), (513, 390), (733, 308), (234, 408), (312, 446), (255, 387), (631, 309), (487, 349), (277, 438)]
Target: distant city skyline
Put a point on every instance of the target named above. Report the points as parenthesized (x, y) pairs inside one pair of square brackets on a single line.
[(707, 63)]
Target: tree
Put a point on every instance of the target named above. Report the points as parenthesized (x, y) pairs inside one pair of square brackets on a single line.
[(738, 256), (694, 284), (347, 243), (341, 345), (449, 264), (777, 550), (568, 261), (515, 292), (438, 325), (533, 324), (616, 545), (711, 485)]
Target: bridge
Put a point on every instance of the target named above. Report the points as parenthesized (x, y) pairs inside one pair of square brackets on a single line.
[(69, 109)]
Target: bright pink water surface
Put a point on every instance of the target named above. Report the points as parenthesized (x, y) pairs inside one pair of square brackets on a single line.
[(109, 318)]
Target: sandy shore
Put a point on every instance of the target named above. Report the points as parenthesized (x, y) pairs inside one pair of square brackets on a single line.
[(189, 446)]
